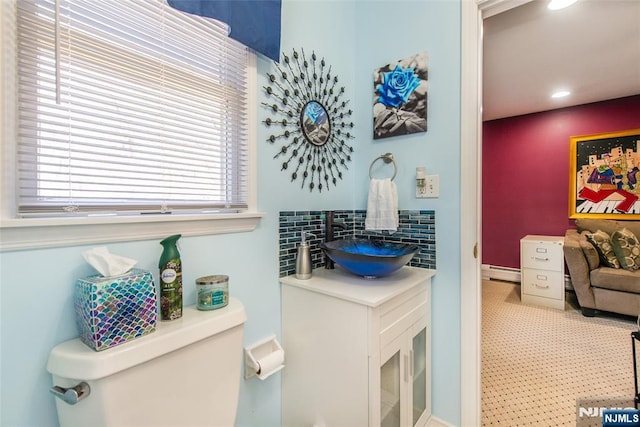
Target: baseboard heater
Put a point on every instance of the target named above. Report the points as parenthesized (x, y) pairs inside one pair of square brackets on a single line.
[(510, 274), (496, 272)]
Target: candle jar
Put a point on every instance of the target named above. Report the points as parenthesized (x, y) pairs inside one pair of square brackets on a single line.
[(213, 292)]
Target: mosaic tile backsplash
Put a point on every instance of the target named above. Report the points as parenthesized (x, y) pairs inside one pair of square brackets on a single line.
[(417, 227)]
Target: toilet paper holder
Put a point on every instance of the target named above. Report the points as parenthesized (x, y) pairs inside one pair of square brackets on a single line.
[(263, 358)]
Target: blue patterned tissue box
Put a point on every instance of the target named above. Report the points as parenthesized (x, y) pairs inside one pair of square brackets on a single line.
[(114, 310)]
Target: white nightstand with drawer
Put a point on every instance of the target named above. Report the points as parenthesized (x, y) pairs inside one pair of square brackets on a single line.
[(542, 271)]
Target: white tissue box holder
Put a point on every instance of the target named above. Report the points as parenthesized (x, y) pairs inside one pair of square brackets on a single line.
[(263, 359), (114, 310)]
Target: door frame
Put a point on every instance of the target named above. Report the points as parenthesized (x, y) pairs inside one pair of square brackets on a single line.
[(472, 14), (470, 214)]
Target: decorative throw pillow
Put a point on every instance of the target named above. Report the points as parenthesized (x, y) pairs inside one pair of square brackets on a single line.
[(589, 251), (602, 242), (627, 248)]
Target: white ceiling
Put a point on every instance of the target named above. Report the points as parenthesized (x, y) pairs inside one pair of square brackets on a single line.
[(591, 48)]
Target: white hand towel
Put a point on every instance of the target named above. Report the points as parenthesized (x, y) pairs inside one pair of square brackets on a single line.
[(382, 206)]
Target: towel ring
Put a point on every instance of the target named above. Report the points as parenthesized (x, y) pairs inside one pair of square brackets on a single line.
[(387, 158)]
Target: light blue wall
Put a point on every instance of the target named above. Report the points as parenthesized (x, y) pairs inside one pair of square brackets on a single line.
[(36, 310), (387, 32), (37, 313), (326, 27)]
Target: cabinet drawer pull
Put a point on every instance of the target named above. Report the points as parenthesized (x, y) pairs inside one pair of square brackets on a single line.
[(541, 286), (540, 259)]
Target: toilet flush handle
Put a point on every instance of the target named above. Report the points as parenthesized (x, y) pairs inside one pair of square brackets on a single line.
[(72, 395)]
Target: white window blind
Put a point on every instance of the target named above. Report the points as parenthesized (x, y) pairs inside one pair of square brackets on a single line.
[(128, 107)]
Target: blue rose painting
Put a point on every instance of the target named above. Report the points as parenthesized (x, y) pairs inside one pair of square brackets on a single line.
[(400, 97)]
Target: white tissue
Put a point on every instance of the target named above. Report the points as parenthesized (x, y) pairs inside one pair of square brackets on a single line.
[(270, 364), (263, 359), (107, 263)]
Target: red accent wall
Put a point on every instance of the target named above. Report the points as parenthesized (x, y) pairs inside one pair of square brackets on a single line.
[(525, 172)]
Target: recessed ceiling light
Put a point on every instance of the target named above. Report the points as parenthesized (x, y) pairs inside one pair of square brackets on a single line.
[(560, 4), (560, 94)]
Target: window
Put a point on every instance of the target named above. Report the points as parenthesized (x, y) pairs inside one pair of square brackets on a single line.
[(154, 116), (127, 108)]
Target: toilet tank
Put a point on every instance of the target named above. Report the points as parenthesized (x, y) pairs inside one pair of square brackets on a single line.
[(186, 373)]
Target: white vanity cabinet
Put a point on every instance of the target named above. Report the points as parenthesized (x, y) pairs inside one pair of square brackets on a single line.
[(357, 351)]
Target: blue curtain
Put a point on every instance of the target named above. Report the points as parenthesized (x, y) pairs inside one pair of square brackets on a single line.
[(254, 23)]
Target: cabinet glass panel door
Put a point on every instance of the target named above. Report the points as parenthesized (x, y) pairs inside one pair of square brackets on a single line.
[(419, 369), (390, 392)]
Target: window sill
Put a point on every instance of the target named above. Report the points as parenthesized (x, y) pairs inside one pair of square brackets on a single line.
[(35, 233)]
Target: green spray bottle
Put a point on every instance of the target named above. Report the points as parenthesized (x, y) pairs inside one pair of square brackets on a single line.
[(170, 279)]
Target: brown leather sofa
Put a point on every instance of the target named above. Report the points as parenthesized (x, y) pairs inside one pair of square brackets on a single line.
[(597, 286)]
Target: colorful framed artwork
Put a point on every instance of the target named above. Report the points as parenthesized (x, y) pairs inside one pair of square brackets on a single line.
[(400, 97), (604, 175)]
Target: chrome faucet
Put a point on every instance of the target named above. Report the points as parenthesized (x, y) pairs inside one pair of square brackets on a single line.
[(329, 225)]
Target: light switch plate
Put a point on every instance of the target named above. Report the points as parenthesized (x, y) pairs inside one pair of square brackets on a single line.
[(433, 186)]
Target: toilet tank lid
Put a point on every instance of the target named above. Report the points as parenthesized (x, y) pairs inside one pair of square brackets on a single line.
[(74, 359)]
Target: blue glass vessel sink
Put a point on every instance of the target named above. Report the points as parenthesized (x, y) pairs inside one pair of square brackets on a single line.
[(369, 258)]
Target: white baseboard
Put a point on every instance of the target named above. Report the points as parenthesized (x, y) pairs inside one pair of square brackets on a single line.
[(510, 274), (437, 422)]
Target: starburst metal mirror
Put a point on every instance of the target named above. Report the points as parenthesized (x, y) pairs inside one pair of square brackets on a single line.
[(309, 120)]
